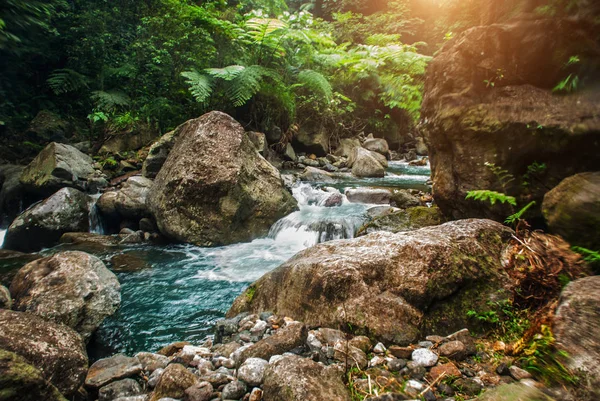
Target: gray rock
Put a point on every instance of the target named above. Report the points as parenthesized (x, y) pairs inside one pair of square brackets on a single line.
[(72, 288), (119, 389), (234, 390), (346, 147), (130, 201), (289, 153), (56, 350), (12, 193), (366, 164), (312, 174), (335, 199), (369, 195), (424, 357), (294, 378), (108, 370), (43, 224), (378, 145), (252, 371), (519, 374), (259, 140), (153, 379), (150, 362), (214, 188), (58, 166)]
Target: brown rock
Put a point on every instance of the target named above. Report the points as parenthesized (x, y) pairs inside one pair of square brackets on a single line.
[(448, 370), (56, 350), (453, 349), (202, 391), (287, 338), (173, 382), (172, 349), (107, 370), (401, 352)]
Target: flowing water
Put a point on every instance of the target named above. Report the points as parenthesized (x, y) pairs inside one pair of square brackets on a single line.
[(176, 292)]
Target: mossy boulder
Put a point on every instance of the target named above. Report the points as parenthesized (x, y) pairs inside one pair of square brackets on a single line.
[(389, 286), (214, 188), (572, 209), (487, 101), (404, 220), (48, 126), (20, 381), (56, 350)]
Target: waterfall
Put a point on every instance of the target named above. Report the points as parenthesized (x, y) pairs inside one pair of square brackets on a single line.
[(2, 234), (314, 223), (96, 223)]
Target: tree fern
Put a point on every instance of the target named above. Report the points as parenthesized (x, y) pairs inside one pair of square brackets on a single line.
[(65, 80), (227, 73), (491, 196), (246, 84), (200, 85), (110, 100), (317, 83)]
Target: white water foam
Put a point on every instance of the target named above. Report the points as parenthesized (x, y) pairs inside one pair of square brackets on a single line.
[(2, 235)]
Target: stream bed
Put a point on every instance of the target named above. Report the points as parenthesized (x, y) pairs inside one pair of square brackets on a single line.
[(177, 292)]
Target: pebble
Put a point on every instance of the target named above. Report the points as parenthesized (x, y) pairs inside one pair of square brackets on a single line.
[(518, 374), (153, 379), (377, 361), (424, 357), (234, 390), (256, 394), (425, 344), (396, 364), (379, 348), (453, 349), (252, 371)]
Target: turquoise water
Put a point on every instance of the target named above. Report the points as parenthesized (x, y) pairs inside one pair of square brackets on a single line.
[(177, 292)]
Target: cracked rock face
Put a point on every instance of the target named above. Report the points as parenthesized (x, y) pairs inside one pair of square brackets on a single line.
[(391, 286)]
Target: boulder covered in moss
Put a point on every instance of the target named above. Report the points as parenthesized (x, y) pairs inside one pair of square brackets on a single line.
[(404, 220), (214, 188), (514, 392), (20, 381), (389, 286), (572, 209), (56, 350), (59, 166), (487, 102)]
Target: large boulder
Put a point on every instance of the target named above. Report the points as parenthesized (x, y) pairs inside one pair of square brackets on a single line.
[(56, 350), (576, 327), (367, 164), (487, 102), (404, 220), (58, 166), (389, 286), (42, 224), (173, 382), (572, 209), (158, 154), (48, 126), (20, 381), (293, 378), (514, 392), (369, 195), (72, 288), (214, 188)]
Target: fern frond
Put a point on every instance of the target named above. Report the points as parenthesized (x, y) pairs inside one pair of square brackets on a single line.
[(227, 73), (65, 80), (317, 83), (200, 85), (246, 84), (110, 100), (513, 218), (491, 196)]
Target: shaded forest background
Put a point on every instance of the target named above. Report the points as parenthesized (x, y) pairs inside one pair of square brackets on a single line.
[(339, 67)]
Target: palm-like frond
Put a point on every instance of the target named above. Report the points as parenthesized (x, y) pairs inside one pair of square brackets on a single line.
[(200, 85), (316, 82), (227, 73), (246, 84), (66, 80), (110, 100)]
